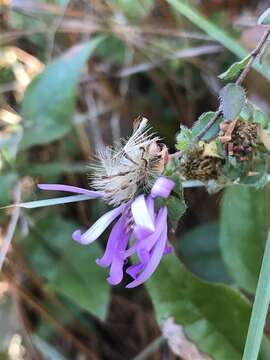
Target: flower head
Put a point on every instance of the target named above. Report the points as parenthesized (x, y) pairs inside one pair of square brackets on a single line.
[(139, 229), (122, 170), (119, 177)]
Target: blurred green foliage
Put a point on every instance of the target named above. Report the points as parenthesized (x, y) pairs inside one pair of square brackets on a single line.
[(58, 132)]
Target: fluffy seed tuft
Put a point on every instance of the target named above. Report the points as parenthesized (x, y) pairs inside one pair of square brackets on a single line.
[(122, 170)]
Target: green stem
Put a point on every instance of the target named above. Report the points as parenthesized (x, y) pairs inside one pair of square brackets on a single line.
[(260, 307)]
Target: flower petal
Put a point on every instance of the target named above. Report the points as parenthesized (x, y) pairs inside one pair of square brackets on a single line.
[(116, 270), (142, 215), (134, 270), (162, 187), (98, 227), (151, 266), (168, 250), (151, 207), (149, 241), (73, 189), (113, 241)]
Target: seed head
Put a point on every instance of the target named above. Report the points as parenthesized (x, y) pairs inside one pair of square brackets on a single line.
[(239, 138), (195, 165), (122, 170)]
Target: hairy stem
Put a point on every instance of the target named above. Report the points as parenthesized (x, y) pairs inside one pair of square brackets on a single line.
[(253, 56)]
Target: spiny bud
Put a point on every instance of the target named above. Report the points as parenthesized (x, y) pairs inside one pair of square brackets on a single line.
[(238, 137), (195, 165)]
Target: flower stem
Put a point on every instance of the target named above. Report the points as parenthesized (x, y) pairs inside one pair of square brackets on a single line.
[(253, 56), (260, 307)]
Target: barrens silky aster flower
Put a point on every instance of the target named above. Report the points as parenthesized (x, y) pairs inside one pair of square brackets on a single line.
[(138, 223), (121, 177)]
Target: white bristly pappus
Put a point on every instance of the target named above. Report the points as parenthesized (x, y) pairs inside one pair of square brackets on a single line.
[(120, 171)]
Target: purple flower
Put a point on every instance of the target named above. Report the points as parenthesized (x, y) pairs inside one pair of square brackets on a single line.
[(139, 229)]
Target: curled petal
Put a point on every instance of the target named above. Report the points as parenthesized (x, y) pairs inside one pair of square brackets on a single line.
[(116, 270), (141, 215), (113, 241), (152, 264), (98, 227), (72, 189), (149, 241), (162, 187), (134, 270)]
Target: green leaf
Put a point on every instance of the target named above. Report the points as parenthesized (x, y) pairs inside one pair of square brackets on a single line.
[(199, 249), (264, 19), (53, 169), (69, 267), (80, 279), (202, 122), (176, 209), (260, 308), (215, 317), (243, 232), (48, 104), (198, 19), (134, 9), (232, 99), (184, 139), (176, 202), (234, 69), (260, 117), (7, 182)]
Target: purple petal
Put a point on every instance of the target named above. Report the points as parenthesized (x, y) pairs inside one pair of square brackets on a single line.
[(98, 227), (168, 250), (73, 189), (143, 255), (141, 215), (151, 266), (149, 241), (162, 187), (116, 270), (151, 207), (113, 241), (134, 270)]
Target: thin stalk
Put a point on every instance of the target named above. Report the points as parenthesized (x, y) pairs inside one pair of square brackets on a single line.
[(255, 54), (260, 308)]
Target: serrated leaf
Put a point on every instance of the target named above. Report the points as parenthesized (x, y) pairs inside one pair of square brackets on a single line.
[(264, 19), (48, 104), (202, 122), (215, 317), (184, 138), (232, 99), (234, 69), (243, 233)]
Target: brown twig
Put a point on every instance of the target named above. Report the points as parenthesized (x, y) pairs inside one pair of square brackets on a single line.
[(253, 56)]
